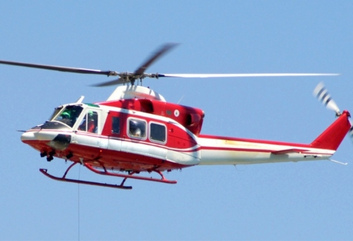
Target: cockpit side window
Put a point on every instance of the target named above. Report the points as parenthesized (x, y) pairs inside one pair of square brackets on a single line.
[(69, 115), (89, 122)]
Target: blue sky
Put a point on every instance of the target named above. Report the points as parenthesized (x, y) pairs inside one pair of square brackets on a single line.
[(290, 201)]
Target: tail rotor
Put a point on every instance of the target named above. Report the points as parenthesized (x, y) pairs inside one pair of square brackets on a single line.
[(324, 97), (321, 93)]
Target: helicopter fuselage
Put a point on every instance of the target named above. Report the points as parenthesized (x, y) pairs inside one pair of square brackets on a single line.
[(141, 132)]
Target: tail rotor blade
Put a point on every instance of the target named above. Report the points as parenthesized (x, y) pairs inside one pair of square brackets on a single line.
[(323, 96)]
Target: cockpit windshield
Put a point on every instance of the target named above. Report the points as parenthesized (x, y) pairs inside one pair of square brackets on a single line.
[(68, 115), (56, 111)]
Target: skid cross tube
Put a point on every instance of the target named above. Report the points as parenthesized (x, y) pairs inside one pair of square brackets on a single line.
[(64, 179), (126, 176)]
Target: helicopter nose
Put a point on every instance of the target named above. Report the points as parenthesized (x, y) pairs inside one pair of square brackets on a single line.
[(28, 136), (41, 135), (37, 139)]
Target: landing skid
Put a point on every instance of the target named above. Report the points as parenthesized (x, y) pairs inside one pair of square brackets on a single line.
[(107, 173), (64, 179)]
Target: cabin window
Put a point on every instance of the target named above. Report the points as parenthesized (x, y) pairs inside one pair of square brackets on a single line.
[(137, 128), (89, 122), (69, 115), (115, 125), (158, 132)]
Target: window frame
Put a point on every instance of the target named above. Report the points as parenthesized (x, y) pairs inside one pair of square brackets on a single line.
[(137, 137), (150, 132), (84, 121), (73, 118), (119, 125)]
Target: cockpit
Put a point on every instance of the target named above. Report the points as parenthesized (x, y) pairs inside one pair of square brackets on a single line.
[(67, 115), (76, 116)]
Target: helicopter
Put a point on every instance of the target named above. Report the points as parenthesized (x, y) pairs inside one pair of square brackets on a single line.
[(136, 131)]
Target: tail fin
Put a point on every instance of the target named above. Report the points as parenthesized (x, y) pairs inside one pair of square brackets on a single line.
[(332, 137)]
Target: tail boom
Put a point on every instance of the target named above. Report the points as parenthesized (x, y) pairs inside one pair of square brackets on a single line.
[(216, 150), (229, 151)]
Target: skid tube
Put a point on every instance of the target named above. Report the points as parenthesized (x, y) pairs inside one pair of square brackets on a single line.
[(64, 179), (131, 175)]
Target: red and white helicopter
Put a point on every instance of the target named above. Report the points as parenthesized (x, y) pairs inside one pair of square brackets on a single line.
[(136, 130)]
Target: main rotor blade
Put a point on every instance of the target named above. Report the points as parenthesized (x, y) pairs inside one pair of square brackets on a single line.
[(244, 75), (112, 82), (159, 53), (127, 77), (61, 68)]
